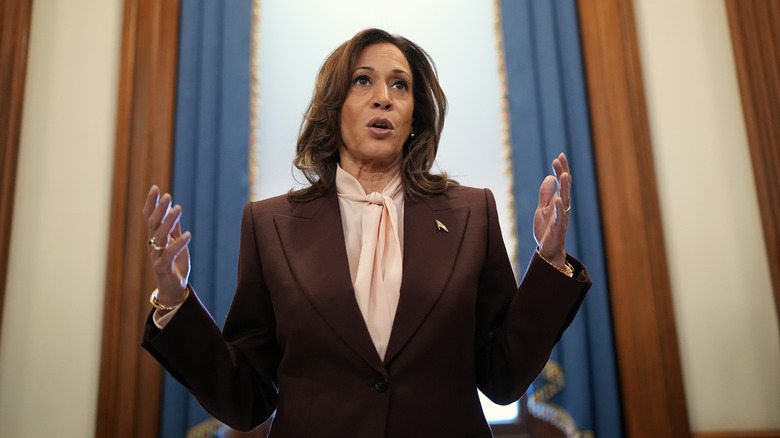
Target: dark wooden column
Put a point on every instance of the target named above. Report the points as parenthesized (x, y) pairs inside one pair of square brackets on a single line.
[(130, 380), (755, 37), (15, 16)]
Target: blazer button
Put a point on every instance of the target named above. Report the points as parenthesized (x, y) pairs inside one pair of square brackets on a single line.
[(381, 384)]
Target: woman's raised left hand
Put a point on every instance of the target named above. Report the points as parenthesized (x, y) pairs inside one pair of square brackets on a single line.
[(552, 214)]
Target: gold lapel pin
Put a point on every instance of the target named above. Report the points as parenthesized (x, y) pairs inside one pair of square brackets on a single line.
[(440, 226)]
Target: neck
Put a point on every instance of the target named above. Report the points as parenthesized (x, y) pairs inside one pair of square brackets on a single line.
[(372, 179)]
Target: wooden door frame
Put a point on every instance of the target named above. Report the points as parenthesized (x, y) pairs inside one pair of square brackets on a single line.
[(15, 21), (756, 45), (130, 390)]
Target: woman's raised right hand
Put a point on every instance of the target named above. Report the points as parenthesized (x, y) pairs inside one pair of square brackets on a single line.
[(167, 247)]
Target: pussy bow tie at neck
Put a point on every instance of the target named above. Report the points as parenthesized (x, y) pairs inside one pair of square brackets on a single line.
[(377, 279)]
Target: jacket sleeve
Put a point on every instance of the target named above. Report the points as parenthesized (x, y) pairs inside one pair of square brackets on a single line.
[(232, 373), (517, 327)]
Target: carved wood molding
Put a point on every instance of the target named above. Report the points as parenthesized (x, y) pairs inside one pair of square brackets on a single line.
[(648, 356), (756, 44), (130, 380), (15, 18)]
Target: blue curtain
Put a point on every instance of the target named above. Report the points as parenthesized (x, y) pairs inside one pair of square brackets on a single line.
[(549, 114), (210, 175)]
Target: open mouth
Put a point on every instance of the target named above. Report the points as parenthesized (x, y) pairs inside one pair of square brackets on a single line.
[(380, 124)]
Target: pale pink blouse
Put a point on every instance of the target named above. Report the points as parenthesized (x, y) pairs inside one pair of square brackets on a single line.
[(373, 231)]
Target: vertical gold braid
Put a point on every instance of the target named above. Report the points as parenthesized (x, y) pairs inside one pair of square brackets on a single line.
[(254, 101), (207, 429), (540, 406), (506, 134)]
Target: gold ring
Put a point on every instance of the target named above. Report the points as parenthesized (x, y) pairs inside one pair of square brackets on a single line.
[(155, 246), (567, 209)]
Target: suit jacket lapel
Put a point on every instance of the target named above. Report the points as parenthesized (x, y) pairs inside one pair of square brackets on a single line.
[(313, 242), (429, 258)]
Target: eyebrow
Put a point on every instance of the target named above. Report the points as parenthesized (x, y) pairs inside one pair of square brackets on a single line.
[(396, 71)]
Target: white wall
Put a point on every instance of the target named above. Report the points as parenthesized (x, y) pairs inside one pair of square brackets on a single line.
[(722, 294), (51, 333)]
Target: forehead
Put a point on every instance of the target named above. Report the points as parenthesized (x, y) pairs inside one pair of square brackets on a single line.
[(383, 55)]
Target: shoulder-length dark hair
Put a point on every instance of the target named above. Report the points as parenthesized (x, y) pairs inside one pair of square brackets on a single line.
[(320, 135)]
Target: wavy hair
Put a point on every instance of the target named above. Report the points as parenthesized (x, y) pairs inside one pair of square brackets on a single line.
[(317, 152)]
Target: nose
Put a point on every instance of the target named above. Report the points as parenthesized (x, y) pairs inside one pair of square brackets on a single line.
[(383, 104), (381, 98)]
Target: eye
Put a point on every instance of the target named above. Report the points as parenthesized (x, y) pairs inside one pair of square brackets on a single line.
[(401, 85), (362, 81)]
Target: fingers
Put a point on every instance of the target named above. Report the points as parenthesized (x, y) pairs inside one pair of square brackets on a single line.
[(177, 245), (546, 191), (171, 252), (163, 233), (563, 177), (162, 221), (178, 240), (559, 218), (564, 190), (553, 243), (169, 223), (561, 167), (161, 212), (176, 232), (151, 201), (561, 164)]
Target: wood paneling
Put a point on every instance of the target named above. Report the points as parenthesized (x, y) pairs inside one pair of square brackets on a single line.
[(130, 380), (755, 38), (15, 18), (644, 326)]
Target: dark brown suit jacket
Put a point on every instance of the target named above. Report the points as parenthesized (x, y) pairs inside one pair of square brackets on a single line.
[(294, 340)]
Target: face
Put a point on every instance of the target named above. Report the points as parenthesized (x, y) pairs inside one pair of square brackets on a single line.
[(376, 118)]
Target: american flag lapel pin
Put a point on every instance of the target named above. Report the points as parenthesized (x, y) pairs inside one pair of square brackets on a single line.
[(441, 227)]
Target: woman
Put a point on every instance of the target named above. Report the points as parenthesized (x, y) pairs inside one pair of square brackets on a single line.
[(374, 302)]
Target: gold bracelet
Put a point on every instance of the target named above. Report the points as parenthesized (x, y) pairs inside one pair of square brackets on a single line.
[(568, 270), (156, 303)]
